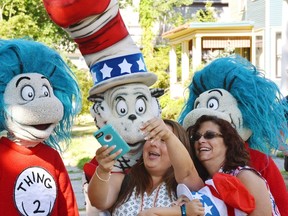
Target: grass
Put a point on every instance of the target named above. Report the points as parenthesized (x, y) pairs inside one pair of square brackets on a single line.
[(83, 145)]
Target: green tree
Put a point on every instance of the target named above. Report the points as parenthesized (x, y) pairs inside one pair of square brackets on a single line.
[(158, 12), (206, 15), (124, 3), (152, 12), (28, 18), (85, 82)]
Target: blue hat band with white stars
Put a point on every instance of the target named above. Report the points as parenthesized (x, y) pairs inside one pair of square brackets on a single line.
[(119, 66)]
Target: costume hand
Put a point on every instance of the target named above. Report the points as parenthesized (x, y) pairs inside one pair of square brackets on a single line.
[(104, 159), (194, 207), (155, 129)]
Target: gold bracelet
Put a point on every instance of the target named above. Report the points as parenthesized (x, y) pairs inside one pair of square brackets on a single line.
[(104, 180)]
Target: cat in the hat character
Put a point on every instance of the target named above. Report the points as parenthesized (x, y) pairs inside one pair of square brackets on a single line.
[(120, 93), (233, 89), (39, 97)]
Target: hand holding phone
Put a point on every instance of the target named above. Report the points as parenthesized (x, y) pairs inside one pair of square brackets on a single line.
[(107, 135)]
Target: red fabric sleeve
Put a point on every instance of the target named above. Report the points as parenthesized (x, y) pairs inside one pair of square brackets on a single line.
[(269, 170), (67, 12), (89, 168), (66, 197)]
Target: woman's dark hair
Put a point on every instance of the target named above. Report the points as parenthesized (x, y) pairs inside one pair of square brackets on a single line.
[(236, 154), (139, 177)]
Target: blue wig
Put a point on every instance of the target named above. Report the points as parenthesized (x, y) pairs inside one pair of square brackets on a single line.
[(26, 56), (259, 99)]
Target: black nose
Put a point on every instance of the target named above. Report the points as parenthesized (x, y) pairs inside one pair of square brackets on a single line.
[(132, 117)]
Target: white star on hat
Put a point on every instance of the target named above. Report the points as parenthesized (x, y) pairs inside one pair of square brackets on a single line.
[(141, 64), (125, 67), (106, 71)]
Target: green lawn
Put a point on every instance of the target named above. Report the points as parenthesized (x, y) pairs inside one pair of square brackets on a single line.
[(83, 145)]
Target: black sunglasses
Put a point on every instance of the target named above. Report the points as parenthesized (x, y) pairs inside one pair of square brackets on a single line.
[(207, 135)]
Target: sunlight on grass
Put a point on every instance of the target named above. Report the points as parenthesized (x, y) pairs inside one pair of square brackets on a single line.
[(83, 145)]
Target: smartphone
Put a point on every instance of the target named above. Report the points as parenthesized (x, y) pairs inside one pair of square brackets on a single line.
[(107, 135)]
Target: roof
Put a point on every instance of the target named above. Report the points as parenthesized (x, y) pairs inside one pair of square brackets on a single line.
[(198, 27)]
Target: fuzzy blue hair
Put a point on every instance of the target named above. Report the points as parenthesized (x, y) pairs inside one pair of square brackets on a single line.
[(20, 56), (259, 99)]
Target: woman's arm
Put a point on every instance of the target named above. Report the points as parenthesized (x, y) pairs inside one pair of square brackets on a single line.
[(257, 187), (104, 187), (193, 208), (184, 169)]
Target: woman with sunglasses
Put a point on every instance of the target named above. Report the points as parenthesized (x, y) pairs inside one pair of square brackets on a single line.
[(217, 147)]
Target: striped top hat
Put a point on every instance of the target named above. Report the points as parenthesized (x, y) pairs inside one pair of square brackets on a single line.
[(102, 37)]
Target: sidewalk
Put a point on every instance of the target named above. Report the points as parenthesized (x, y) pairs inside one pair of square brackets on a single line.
[(76, 180)]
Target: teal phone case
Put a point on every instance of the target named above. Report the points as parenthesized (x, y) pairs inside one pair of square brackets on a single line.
[(107, 135)]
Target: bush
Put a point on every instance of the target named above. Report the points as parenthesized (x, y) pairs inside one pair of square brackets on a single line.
[(171, 108)]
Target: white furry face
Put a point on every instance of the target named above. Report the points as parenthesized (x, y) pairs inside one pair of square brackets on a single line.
[(220, 103), (126, 108), (32, 110)]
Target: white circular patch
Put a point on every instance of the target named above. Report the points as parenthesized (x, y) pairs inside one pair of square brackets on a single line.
[(35, 192)]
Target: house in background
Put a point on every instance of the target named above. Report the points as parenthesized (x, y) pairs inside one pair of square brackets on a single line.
[(267, 17), (200, 41), (252, 28)]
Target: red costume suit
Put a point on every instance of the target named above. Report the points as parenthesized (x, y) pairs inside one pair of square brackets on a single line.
[(34, 181), (268, 169)]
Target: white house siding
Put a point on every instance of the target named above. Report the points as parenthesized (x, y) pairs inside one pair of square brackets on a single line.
[(276, 13), (267, 15), (256, 12)]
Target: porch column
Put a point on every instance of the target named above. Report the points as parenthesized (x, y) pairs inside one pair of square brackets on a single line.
[(173, 65), (196, 52), (253, 48), (185, 61), (173, 71)]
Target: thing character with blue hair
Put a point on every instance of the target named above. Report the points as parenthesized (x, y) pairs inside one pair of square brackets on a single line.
[(39, 97), (233, 89)]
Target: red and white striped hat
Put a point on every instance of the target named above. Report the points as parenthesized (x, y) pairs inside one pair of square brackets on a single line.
[(98, 29)]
